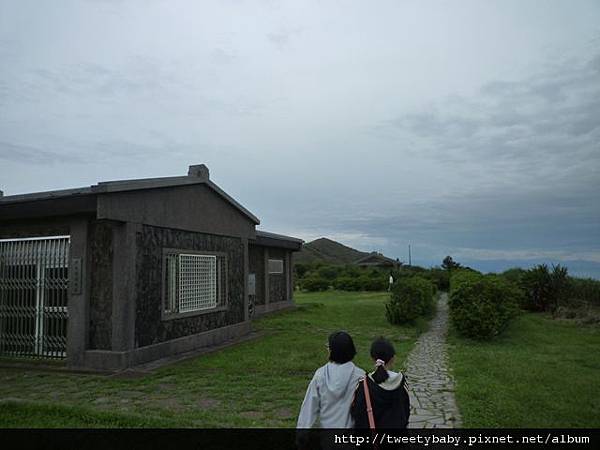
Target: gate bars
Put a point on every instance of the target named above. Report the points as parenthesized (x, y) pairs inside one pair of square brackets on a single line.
[(34, 279)]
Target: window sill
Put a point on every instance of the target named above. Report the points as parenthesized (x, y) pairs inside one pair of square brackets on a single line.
[(174, 316)]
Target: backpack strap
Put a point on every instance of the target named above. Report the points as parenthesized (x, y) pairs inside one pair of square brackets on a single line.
[(369, 405)]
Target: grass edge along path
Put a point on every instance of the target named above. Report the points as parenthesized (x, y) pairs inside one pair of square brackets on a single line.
[(258, 383), (540, 373), (18, 414)]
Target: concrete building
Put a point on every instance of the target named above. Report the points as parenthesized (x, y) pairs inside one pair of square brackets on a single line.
[(126, 272)]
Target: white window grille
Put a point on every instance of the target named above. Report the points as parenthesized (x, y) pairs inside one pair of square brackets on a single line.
[(194, 282), (197, 282), (275, 266), (34, 279)]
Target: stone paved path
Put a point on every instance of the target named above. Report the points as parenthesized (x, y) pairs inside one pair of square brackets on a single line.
[(430, 384)]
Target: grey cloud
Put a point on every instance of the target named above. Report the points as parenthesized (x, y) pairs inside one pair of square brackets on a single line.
[(487, 223), (283, 37), (33, 155), (138, 76), (279, 39), (276, 99), (88, 152), (222, 57), (536, 186), (139, 81), (525, 121)]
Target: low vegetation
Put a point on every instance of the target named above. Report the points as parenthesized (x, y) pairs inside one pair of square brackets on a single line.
[(411, 298), (260, 383), (321, 277), (481, 306), (553, 290), (539, 373)]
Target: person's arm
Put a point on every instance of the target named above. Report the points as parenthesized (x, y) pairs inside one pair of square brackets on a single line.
[(310, 406)]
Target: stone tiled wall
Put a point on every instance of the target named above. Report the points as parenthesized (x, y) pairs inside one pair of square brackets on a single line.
[(257, 266), (277, 282), (150, 328), (100, 240)]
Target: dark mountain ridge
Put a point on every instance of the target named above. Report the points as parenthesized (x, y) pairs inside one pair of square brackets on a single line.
[(327, 251)]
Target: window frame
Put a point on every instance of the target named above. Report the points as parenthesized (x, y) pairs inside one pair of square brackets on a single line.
[(278, 260), (168, 315)]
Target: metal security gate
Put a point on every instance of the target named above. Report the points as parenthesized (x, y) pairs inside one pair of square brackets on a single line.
[(34, 278)]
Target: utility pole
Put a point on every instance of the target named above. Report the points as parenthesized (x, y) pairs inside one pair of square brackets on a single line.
[(409, 258)]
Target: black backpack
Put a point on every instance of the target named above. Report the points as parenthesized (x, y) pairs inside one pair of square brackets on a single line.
[(391, 409)]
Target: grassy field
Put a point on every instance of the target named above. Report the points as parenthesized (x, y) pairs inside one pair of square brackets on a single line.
[(256, 383), (540, 373)]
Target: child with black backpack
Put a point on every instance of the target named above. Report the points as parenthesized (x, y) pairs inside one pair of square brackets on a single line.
[(381, 399)]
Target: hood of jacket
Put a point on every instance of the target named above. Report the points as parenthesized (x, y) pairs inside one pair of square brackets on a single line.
[(339, 379), (393, 382)]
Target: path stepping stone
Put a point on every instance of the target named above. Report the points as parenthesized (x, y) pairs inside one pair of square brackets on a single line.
[(430, 384)]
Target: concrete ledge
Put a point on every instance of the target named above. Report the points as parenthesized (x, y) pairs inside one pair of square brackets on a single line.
[(43, 365), (261, 310), (106, 360)]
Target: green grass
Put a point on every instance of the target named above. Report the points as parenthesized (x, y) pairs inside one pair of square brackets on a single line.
[(15, 414), (540, 373), (258, 383)]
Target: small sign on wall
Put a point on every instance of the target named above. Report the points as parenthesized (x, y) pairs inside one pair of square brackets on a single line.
[(75, 276), (251, 284), (275, 266)]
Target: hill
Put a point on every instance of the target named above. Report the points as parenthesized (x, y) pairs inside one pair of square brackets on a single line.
[(327, 251)]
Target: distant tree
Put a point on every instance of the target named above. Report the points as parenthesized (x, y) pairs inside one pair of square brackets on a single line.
[(448, 263), (537, 284), (546, 289), (328, 272), (301, 269), (514, 274), (560, 286)]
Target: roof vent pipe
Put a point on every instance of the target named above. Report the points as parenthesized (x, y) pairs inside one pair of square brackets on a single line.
[(200, 171)]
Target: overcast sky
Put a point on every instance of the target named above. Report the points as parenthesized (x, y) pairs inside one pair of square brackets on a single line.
[(466, 128)]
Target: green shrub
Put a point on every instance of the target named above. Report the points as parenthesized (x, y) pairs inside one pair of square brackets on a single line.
[(300, 269), (364, 282), (545, 289), (370, 283), (585, 290), (514, 275), (314, 283), (550, 290), (482, 306), (441, 278), (374, 273), (360, 282), (536, 283), (328, 272), (408, 271), (352, 271), (347, 283), (411, 298)]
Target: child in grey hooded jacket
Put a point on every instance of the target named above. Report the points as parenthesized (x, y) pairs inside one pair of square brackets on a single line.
[(330, 392)]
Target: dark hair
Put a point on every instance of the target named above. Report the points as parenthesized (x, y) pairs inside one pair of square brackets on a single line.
[(382, 349), (341, 347)]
